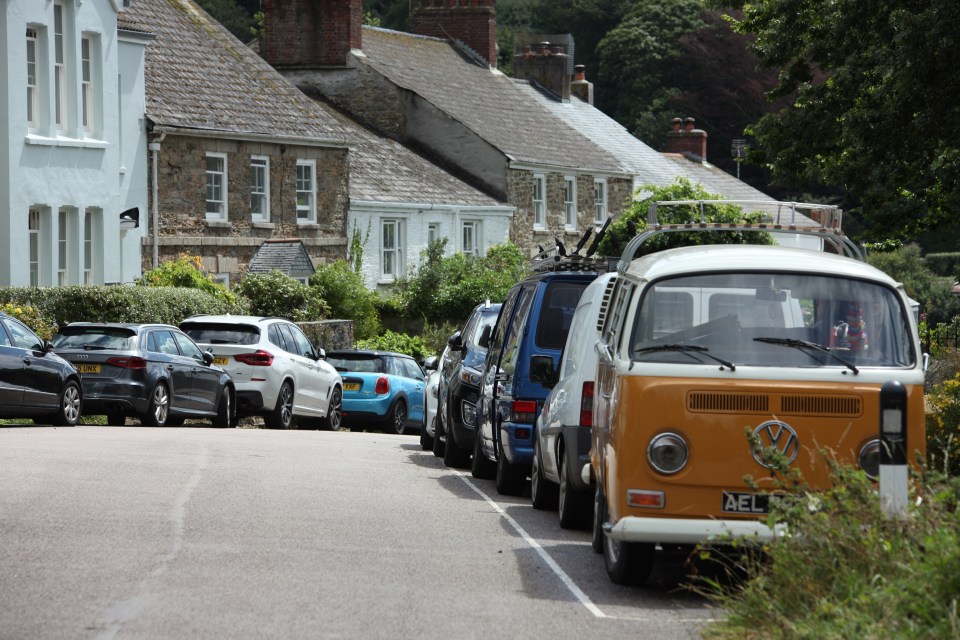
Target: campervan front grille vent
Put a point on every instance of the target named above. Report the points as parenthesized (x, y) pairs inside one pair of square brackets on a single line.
[(839, 406), (704, 402)]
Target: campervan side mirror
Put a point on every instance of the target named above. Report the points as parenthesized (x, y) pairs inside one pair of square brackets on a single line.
[(543, 371), (484, 340)]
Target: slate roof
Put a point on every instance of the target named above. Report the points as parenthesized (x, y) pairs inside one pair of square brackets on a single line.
[(199, 76), (288, 256), (484, 100), (383, 170)]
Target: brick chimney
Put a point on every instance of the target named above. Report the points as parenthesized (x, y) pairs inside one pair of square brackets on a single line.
[(309, 33), (471, 21), (546, 64), (580, 86), (686, 139)]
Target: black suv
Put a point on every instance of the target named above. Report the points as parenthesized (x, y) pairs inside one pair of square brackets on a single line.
[(460, 388)]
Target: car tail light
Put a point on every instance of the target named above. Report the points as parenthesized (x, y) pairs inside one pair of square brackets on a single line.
[(524, 410), (383, 385), (258, 358), (124, 362), (586, 405)]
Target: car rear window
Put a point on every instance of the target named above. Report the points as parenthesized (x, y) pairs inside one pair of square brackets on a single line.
[(360, 363), (556, 312), (213, 333), (116, 338)]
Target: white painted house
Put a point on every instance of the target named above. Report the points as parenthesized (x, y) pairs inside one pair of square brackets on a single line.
[(74, 143)]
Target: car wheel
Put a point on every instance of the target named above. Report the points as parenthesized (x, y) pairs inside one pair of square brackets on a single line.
[(453, 456), (573, 504), (480, 467), (71, 401), (439, 446), (397, 421), (628, 563), (599, 518), (116, 419), (334, 411), (159, 407), (426, 440), (282, 415), (510, 477), (224, 411), (543, 493)]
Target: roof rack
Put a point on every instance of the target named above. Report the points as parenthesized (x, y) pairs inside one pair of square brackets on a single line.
[(556, 258), (831, 236)]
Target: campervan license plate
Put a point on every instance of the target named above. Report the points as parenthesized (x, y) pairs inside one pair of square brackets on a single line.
[(751, 503)]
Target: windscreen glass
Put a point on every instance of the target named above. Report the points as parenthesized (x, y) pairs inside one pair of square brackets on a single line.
[(769, 319)]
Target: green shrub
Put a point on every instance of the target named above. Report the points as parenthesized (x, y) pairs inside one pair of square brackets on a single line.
[(618, 233), (944, 264), (348, 298), (186, 271), (113, 303), (937, 301), (447, 288), (397, 342), (277, 294), (943, 430), (32, 317), (846, 570)]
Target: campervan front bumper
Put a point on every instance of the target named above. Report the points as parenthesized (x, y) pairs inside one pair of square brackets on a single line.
[(687, 530)]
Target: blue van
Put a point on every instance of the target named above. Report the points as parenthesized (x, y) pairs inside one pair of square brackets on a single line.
[(533, 322)]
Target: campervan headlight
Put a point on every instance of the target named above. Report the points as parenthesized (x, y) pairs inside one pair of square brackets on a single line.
[(870, 459), (667, 453)]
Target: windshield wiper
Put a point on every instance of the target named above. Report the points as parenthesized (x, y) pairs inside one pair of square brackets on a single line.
[(687, 348), (803, 344)]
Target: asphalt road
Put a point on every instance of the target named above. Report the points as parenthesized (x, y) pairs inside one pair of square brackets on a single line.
[(192, 532)]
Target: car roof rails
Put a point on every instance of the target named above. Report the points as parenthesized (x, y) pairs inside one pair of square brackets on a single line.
[(556, 258), (827, 215)]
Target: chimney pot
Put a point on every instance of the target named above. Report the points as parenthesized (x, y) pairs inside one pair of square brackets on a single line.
[(580, 73), (677, 124), (689, 124)]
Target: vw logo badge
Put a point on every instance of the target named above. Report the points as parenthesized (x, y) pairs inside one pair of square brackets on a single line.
[(778, 436)]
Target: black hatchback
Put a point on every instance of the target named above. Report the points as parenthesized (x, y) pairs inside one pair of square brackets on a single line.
[(35, 382), (153, 372)]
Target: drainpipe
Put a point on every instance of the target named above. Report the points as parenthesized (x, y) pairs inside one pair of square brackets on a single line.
[(155, 153)]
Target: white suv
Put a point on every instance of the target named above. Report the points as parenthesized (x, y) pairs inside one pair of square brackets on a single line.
[(278, 374)]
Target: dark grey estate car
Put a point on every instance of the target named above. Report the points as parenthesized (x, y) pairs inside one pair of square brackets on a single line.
[(154, 372)]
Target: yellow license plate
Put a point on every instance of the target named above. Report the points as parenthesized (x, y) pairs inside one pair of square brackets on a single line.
[(351, 386), (220, 360), (88, 368)]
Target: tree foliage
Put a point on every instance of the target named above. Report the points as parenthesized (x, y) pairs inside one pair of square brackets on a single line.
[(875, 85), (277, 294), (906, 265), (619, 232), (348, 297), (186, 271), (236, 19)]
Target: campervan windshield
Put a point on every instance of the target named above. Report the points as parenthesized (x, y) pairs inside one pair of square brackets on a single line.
[(772, 319)]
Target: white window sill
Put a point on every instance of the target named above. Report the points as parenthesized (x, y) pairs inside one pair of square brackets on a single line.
[(218, 223), (307, 224), (263, 224), (60, 141)]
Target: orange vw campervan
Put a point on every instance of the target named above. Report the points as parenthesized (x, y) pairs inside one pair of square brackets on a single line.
[(702, 346)]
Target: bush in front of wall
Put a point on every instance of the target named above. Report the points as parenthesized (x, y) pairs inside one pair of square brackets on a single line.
[(348, 297), (117, 303), (277, 294), (398, 343), (186, 271)]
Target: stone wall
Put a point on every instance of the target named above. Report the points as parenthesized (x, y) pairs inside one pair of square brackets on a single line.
[(329, 334), (227, 246)]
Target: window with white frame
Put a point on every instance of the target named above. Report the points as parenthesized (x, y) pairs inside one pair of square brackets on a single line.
[(90, 225), (216, 186), (306, 191), (221, 278), (570, 202), (33, 83), (539, 201), (433, 233), (63, 248), (260, 188), (89, 72), (391, 253), (600, 200), (468, 238), (34, 244), (59, 68)]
